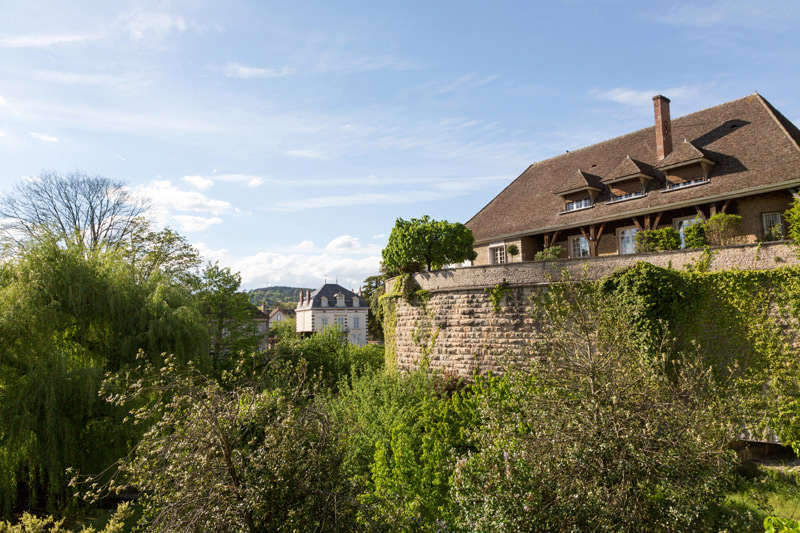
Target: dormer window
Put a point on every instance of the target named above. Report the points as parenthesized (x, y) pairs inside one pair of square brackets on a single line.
[(355, 301), (629, 180), (579, 204), (686, 167), (580, 191), (323, 301), (339, 299)]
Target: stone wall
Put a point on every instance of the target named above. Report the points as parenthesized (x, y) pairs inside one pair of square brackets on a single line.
[(458, 332)]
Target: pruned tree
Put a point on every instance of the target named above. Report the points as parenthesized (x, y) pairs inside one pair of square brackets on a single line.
[(76, 209), (424, 241)]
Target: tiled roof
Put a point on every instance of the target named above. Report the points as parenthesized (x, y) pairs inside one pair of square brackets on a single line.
[(754, 147), (629, 167), (329, 291), (579, 180), (685, 152)]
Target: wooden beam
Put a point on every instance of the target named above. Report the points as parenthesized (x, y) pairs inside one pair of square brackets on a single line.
[(600, 231), (700, 212), (585, 235), (658, 219), (725, 206), (795, 193), (636, 221), (647, 221), (713, 209)]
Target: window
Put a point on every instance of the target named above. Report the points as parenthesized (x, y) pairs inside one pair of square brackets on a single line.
[(355, 323), (324, 302), (498, 255), (579, 204), (680, 184), (324, 322), (772, 225), (627, 238), (357, 339), (341, 322), (619, 198), (355, 301), (578, 246), (681, 224)]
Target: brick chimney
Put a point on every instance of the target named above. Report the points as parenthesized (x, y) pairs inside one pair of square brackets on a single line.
[(663, 126)]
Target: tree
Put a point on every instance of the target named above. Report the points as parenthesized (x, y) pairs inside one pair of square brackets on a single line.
[(424, 241), (165, 252), (227, 312), (374, 287), (723, 229), (77, 209), (252, 456)]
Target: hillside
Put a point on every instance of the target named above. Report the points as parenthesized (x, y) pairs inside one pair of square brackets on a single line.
[(284, 297)]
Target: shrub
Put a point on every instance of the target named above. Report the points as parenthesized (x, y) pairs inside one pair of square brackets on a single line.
[(549, 253), (694, 236), (723, 229), (658, 240), (792, 217), (512, 250)]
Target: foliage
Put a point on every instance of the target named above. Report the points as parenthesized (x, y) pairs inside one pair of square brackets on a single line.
[(496, 295), (657, 240), (276, 296), (549, 253), (792, 217), (775, 233), (592, 436), (228, 315), (424, 241), (773, 524), (402, 436), (512, 250), (694, 236), (723, 229), (67, 316), (373, 288), (163, 252), (31, 524), (74, 209), (252, 457)]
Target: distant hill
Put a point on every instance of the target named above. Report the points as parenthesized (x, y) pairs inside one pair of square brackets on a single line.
[(283, 297)]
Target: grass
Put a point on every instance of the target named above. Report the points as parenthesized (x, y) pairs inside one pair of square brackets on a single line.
[(769, 489)]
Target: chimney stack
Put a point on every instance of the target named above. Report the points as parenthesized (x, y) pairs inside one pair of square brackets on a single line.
[(663, 126)]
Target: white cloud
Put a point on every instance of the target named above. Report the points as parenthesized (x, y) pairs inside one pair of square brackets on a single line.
[(379, 236), (304, 246), (635, 97), (155, 26), (43, 137), (193, 223), (166, 197), (307, 154), (222, 255), (199, 181), (42, 41), (236, 70), (2, 100), (767, 14), (388, 198), (251, 181), (300, 270), (343, 243)]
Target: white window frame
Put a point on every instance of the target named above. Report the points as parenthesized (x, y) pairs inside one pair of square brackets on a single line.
[(620, 232), (497, 254), (579, 204), (323, 302), (678, 224), (341, 322), (324, 322), (583, 251), (766, 228), (355, 323)]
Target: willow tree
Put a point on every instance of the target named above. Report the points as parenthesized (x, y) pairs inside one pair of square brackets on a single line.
[(67, 316)]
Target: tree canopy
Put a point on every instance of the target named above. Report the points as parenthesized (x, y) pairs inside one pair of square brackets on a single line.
[(424, 241)]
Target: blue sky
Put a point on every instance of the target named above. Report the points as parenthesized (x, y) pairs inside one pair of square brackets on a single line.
[(284, 138)]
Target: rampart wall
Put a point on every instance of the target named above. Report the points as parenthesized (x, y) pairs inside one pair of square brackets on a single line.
[(458, 331)]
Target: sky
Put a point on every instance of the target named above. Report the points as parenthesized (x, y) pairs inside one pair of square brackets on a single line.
[(284, 139)]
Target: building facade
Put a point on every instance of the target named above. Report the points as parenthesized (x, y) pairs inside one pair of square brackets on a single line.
[(741, 157), (333, 306)]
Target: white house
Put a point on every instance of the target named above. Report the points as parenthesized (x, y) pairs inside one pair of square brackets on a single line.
[(333, 306)]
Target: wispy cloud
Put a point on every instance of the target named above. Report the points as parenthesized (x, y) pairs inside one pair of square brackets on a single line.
[(637, 97), (251, 181), (305, 246), (305, 154), (765, 14), (44, 41), (167, 197), (199, 181), (43, 137), (380, 198), (237, 70), (154, 27), (195, 223)]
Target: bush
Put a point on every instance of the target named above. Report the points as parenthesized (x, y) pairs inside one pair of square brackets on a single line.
[(658, 240), (694, 236), (723, 229), (549, 253), (792, 217), (512, 250)]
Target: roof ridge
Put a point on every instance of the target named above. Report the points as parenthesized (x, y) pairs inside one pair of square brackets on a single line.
[(772, 113)]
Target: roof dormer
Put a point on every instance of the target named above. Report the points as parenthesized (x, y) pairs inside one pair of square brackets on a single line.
[(687, 165), (580, 191), (629, 180)]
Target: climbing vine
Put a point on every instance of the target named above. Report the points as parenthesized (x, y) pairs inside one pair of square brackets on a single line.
[(496, 294)]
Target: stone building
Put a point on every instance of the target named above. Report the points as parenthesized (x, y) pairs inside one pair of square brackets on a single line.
[(742, 157), (333, 306)]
